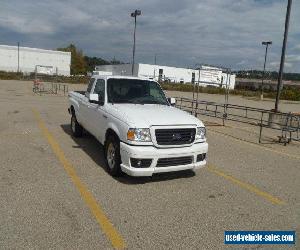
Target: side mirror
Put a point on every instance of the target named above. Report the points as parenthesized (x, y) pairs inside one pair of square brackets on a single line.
[(172, 101), (95, 98)]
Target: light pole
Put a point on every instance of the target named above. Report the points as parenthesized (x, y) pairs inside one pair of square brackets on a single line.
[(286, 29), (154, 66), (134, 14), (18, 57), (263, 76)]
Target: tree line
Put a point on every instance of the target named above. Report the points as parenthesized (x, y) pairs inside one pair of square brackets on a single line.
[(81, 64), (271, 75)]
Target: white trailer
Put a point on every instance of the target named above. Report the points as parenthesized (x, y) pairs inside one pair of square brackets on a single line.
[(101, 73), (208, 75)]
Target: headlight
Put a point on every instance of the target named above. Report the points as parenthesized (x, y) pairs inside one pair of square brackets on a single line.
[(139, 134), (201, 133)]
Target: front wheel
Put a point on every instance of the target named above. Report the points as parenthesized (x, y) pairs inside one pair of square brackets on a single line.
[(77, 129), (112, 156)]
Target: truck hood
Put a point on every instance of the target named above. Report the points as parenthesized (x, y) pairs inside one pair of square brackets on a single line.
[(145, 116)]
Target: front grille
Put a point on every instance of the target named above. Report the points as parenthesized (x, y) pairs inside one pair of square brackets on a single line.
[(167, 162), (177, 136)]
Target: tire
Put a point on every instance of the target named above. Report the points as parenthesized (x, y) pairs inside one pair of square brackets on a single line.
[(112, 155), (77, 129)]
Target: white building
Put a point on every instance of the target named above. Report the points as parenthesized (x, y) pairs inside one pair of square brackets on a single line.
[(30, 59), (208, 75)]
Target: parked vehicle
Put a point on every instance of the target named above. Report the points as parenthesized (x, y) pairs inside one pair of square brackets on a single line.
[(141, 131)]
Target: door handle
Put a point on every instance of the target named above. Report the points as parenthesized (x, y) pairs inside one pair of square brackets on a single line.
[(104, 116)]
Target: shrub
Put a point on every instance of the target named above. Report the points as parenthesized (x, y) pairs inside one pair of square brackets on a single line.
[(62, 79), (288, 93)]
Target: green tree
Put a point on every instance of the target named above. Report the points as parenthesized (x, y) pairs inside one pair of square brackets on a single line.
[(78, 64), (91, 62), (272, 75), (81, 64)]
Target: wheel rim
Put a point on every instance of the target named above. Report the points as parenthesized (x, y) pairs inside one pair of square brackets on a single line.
[(111, 152), (73, 124)]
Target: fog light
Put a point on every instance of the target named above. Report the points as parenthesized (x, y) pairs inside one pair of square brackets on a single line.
[(140, 163), (201, 157)]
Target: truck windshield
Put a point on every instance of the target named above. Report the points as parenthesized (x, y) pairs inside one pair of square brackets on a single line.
[(134, 91)]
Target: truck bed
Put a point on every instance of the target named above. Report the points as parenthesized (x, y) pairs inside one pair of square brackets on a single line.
[(75, 96), (80, 92)]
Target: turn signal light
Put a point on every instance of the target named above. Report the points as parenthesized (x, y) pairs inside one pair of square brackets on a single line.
[(130, 135)]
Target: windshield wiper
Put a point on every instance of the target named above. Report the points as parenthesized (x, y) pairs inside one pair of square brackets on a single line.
[(137, 102), (154, 102), (129, 101)]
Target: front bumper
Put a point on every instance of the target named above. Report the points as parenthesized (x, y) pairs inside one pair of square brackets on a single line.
[(150, 152)]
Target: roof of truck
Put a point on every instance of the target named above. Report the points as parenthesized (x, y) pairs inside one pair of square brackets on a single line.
[(120, 77)]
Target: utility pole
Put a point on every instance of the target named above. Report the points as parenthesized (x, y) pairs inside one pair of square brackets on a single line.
[(134, 14), (286, 29), (154, 66), (263, 76), (18, 57)]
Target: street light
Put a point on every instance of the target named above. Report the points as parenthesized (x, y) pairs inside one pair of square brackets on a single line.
[(18, 57), (286, 30), (154, 66), (263, 76), (134, 14)]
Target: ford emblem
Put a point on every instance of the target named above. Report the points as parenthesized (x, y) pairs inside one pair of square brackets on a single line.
[(176, 137)]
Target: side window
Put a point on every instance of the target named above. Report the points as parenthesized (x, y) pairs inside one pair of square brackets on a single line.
[(100, 88), (156, 92), (89, 88)]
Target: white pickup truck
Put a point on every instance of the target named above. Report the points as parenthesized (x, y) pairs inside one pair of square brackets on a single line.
[(141, 131)]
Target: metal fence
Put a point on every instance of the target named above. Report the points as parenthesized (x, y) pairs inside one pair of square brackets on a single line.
[(49, 88), (287, 123), (46, 81)]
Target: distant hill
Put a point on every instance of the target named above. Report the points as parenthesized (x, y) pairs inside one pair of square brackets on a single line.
[(272, 75)]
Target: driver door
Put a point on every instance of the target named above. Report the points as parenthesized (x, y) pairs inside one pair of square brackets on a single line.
[(97, 114), (84, 104)]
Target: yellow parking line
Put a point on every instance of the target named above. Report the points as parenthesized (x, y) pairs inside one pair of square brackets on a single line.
[(254, 144), (246, 186), (112, 234)]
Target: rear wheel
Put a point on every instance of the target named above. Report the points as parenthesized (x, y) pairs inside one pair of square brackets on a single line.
[(112, 155), (77, 129)]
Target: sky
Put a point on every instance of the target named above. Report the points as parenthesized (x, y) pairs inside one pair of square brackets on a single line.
[(182, 33)]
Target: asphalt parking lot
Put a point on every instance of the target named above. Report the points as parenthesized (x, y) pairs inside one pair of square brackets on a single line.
[(55, 192)]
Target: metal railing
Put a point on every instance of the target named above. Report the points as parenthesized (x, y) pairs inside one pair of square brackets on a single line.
[(50, 88), (287, 123)]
